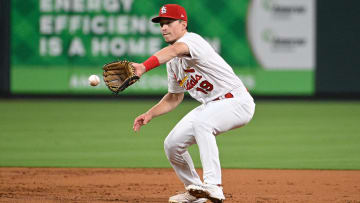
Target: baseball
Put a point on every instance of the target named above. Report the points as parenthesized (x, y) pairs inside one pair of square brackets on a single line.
[(94, 80)]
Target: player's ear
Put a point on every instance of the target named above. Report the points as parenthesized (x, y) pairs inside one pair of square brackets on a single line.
[(184, 24)]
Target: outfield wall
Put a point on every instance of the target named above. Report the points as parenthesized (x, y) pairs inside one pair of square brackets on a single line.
[(338, 61), (5, 47), (272, 45)]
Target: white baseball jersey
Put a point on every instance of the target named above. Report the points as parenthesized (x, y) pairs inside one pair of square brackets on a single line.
[(204, 74)]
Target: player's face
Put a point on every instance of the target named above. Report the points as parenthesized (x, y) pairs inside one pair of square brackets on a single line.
[(172, 29)]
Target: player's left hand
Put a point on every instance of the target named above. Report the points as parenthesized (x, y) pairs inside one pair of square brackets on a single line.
[(139, 68), (119, 75)]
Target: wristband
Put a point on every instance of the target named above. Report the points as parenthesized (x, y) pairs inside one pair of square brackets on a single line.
[(151, 63)]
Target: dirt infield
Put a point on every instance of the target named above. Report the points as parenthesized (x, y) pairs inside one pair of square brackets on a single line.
[(156, 185)]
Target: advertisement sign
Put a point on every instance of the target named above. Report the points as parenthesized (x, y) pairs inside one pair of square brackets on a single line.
[(281, 33), (57, 44)]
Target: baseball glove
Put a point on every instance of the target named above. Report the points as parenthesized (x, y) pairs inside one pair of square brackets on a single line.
[(119, 75)]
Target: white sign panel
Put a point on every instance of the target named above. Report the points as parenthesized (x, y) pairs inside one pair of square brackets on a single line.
[(282, 33)]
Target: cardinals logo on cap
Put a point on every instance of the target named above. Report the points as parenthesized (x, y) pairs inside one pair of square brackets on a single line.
[(172, 11), (163, 10)]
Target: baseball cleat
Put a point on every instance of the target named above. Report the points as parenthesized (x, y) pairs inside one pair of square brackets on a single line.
[(212, 192), (186, 198)]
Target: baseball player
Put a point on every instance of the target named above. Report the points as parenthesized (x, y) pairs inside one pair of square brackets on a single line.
[(193, 66)]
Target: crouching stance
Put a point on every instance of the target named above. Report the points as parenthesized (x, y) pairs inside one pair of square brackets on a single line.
[(194, 66)]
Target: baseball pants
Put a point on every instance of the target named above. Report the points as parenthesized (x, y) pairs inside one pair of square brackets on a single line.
[(200, 126)]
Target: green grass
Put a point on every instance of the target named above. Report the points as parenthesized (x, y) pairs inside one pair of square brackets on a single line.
[(84, 133)]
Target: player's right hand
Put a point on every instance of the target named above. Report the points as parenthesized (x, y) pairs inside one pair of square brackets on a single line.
[(141, 120)]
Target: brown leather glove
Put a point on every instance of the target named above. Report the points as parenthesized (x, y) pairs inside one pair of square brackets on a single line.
[(119, 75)]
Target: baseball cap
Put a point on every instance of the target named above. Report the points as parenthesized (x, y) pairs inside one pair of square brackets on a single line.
[(173, 11)]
